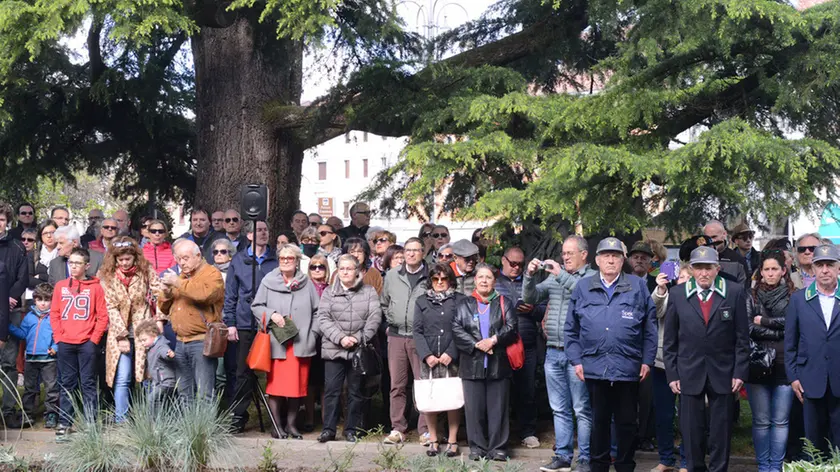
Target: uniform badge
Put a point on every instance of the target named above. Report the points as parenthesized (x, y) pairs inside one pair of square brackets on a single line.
[(725, 315)]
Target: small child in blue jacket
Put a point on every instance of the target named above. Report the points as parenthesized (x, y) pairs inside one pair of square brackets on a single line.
[(41, 351)]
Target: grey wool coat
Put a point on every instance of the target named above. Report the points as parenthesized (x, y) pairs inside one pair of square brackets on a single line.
[(352, 312), (298, 300)]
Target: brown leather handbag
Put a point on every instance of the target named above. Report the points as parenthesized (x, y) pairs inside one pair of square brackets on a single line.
[(215, 341)]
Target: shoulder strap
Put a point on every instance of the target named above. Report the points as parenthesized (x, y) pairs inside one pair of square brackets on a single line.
[(502, 302), (201, 313)]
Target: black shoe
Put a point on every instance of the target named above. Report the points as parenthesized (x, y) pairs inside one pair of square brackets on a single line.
[(557, 465), (475, 456), (237, 428), (13, 421), (452, 450), (433, 449), (282, 435), (351, 437), (326, 436), (500, 456), (51, 421), (294, 434), (647, 445)]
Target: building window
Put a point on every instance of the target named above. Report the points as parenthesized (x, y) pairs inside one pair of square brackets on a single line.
[(365, 137), (346, 169), (322, 171), (347, 138), (347, 209), (364, 167)]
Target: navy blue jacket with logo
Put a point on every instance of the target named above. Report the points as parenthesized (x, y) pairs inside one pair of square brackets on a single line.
[(611, 336)]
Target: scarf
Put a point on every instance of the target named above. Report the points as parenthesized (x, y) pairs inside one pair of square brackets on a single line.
[(223, 268), (125, 276), (47, 256), (483, 300), (439, 297), (39, 313), (320, 286), (775, 300)]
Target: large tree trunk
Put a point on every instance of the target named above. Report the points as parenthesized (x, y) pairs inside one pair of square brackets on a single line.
[(238, 70)]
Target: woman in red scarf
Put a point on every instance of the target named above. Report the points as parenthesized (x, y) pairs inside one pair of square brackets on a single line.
[(129, 282)]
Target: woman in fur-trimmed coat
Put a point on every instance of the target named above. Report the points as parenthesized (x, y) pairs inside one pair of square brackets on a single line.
[(129, 282)]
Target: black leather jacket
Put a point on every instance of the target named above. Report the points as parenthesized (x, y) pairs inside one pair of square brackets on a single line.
[(467, 332)]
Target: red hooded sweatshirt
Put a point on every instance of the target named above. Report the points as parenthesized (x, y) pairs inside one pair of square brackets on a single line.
[(78, 312)]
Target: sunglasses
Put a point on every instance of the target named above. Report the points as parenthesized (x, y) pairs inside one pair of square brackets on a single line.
[(314, 224), (317, 267), (111, 228), (28, 240), (445, 257), (514, 263), (473, 258), (26, 213), (231, 220), (439, 280), (440, 235), (157, 231), (382, 240), (362, 213), (220, 251), (324, 233), (426, 234), (122, 244), (804, 249)]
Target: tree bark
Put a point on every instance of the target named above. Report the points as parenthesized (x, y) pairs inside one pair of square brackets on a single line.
[(237, 71)]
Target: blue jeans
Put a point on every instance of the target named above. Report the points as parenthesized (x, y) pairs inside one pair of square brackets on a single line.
[(195, 373), (565, 393), (770, 406), (77, 370), (122, 384), (663, 399)]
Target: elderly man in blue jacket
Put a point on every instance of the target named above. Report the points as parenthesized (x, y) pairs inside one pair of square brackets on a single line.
[(611, 339), (812, 349)]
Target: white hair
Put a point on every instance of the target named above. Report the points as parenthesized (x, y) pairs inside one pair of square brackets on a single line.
[(195, 249), (69, 232)]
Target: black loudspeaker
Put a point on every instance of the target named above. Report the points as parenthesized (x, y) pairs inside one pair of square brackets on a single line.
[(254, 202)]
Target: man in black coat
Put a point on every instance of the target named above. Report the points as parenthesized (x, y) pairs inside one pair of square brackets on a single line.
[(13, 255), (729, 260), (359, 222), (706, 354)]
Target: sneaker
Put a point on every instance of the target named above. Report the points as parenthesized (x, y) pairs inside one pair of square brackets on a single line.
[(583, 467), (531, 442), (51, 421), (61, 433), (425, 439), (558, 464), (395, 437), (662, 468)]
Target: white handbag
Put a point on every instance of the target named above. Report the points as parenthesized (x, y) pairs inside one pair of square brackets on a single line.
[(436, 395)]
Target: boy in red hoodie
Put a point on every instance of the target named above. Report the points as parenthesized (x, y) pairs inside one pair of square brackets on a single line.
[(79, 318)]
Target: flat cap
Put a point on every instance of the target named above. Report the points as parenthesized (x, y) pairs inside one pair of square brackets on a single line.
[(826, 252), (610, 245), (691, 244), (464, 248), (641, 246), (704, 255)]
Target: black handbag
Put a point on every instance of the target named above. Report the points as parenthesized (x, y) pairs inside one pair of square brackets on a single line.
[(762, 359), (366, 360)]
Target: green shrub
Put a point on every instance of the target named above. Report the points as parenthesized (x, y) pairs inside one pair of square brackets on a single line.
[(201, 433)]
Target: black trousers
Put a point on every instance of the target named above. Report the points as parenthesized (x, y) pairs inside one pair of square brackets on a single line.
[(647, 419), (822, 420), (524, 393), (693, 427), (246, 380), (33, 374), (486, 405), (335, 372), (608, 400)]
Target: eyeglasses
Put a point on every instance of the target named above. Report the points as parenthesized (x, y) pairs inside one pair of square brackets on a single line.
[(48, 233), (412, 250), (25, 213), (382, 240), (426, 234), (324, 233), (446, 257), (28, 240), (216, 252), (110, 228), (76, 263), (157, 231), (804, 249), (473, 258), (287, 259), (317, 267), (231, 220), (513, 263), (439, 280), (440, 235)]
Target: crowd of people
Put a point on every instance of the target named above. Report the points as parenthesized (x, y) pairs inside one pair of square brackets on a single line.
[(627, 346)]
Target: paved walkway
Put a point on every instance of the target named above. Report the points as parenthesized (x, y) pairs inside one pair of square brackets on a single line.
[(309, 455)]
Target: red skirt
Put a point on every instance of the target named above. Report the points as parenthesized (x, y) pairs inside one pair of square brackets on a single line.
[(288, 377)]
